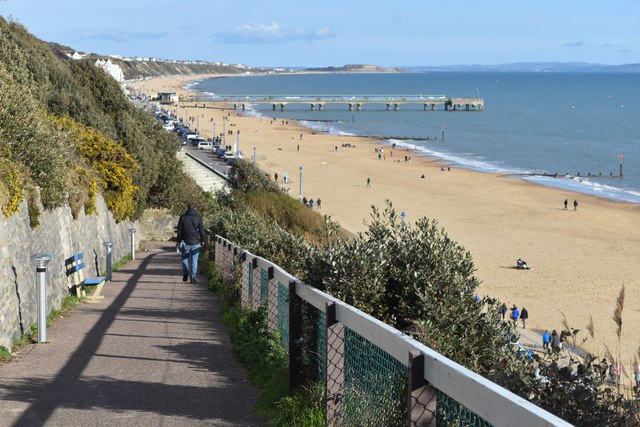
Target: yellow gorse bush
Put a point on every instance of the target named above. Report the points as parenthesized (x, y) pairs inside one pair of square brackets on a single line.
[(11, 192), (114, 168)]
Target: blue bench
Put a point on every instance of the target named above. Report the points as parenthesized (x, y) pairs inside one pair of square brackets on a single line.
[(78, 284)]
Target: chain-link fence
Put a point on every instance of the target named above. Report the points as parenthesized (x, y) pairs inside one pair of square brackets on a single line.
[(373, 374)]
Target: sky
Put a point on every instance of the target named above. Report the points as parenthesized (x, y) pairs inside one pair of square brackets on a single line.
[(304, 33)]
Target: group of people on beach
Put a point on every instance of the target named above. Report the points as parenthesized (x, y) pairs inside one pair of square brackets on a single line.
[(515, 315), (566, 203), (311, 204)]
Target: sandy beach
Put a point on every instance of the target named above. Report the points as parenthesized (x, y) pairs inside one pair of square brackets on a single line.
[(580, 259)]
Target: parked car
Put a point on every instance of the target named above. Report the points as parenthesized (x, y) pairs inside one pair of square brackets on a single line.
[(228, 156), (195, 141), (204, 145)]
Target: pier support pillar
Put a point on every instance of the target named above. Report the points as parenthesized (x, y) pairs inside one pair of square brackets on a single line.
[(243, 107), (313, 107), (396, 107), (358, 107), (281, 107), (320, 107), (350, 107), (273, 106), (388, 107)]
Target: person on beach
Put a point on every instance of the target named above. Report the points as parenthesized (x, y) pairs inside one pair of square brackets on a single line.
[(298, 147), (275, 176), (524, 315), (546, 340), (503, 310), (612, 374), (368, 182), (318, 202), (566, 202), (190, 240), (575, 205), (515, 314), (555, 341)]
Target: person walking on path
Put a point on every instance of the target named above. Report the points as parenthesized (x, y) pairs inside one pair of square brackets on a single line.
[(515, 314), (191, 239), (503, 310), (524, 315), (566, 202), (546, 340), (637, 378), (369, 182), (575, 205)]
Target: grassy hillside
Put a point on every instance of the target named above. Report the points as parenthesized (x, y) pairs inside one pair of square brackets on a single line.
[(67, 132)]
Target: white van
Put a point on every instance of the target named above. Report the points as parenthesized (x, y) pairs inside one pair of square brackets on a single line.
[(205, 145)]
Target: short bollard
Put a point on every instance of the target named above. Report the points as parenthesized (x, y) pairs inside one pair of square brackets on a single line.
[(133, 243), (108, 245), (42, 259)]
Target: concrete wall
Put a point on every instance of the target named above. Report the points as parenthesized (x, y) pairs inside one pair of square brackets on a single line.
[(62, 236)]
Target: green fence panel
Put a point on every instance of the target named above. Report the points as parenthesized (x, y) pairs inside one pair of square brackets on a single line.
[(375, 384), (283, 315), (264, 286), (321, 345), (451, 413)]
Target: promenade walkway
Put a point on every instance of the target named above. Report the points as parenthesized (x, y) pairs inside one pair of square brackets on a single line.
[(153, 353)]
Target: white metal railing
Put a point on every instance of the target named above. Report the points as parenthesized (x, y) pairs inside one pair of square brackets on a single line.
[(493, 403)]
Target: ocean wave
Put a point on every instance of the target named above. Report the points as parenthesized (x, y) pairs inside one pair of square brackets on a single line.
[(587, 186), (467, 161), (324, 127)]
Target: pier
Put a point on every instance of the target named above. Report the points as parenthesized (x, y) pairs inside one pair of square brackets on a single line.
[(353, 102)]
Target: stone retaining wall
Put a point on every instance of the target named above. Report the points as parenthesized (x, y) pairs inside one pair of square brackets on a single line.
[(62, 236)]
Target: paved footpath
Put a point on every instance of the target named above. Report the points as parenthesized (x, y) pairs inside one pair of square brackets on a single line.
[(153, 352)]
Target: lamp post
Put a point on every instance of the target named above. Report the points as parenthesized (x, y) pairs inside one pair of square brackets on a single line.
[(237, 142), (42, 259), (213, 135), (254, 156), (224, 130), (300, 196), (108, 246), (133, 242)]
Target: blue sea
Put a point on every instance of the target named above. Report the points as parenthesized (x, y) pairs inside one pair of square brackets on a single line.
[(533, 123)]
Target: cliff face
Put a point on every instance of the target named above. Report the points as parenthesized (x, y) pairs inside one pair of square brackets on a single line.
[(143, 69)]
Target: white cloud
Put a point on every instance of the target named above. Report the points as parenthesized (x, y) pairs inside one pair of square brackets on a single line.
[(270, 33)]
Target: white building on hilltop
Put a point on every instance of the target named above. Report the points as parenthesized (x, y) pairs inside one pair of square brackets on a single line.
[(114, 70)]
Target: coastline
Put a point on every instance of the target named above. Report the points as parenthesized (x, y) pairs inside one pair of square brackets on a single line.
[(580, 259)]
